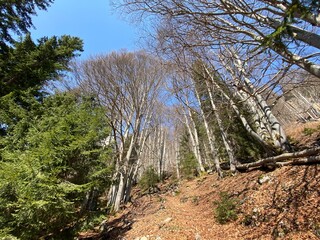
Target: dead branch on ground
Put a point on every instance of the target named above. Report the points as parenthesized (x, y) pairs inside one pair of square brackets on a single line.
[(301, 157)]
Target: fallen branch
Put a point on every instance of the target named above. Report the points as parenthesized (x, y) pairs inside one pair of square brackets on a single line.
[(299, 161), (305, 156)]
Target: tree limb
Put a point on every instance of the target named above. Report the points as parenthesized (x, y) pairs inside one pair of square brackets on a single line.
[(304, 156)]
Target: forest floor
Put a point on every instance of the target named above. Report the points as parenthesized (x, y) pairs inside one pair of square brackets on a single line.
[(279, 204)]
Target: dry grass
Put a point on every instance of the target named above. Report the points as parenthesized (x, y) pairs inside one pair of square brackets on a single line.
[(304, 135), (296, 130)]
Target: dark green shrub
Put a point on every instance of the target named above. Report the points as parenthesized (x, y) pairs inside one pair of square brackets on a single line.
[(93, 220), (149, 179), (309, 131), (226, 209), (316, 229)]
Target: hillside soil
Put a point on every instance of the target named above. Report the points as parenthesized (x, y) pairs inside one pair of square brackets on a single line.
[(280, 204), (285, 206)]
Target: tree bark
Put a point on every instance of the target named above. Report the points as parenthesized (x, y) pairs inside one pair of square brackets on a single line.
[(243, 119), (194, 138), (222, 131), (211, 138), (278, 135), (285, 156)]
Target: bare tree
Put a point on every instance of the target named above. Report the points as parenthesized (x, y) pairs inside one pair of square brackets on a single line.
[(299, 100), (188, 93), (266, 124), (160, 146), (210, 135), (256, 25), (127, 85), (210, 30)]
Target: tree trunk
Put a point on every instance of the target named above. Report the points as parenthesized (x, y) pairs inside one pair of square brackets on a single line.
[(222, 131), (243, 119), (211, 138), (194, 138), (283, 157), (120, 192), (278, 135), (177, 158)]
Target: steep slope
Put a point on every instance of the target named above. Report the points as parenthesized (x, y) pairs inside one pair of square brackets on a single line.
[(279, 204), (286, 206)]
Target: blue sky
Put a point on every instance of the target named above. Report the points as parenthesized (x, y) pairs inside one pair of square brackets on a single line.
[(101, 29)]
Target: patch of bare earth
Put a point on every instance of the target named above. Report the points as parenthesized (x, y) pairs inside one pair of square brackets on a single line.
[(304, 135), (286, 206)]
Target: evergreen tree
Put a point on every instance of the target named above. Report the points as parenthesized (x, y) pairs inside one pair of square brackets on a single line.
[(51, 158), (52, 165), (243, 146), (188, 163), (15, 16), (27, 64), (24, 63)]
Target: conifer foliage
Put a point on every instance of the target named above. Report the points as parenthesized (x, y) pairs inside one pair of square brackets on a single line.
[(15, 16), (50, 159), (52, 163), (28, 64)]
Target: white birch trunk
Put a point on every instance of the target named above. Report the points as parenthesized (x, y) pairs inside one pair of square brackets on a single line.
[(211, 138), (243, 119), (278, 135), (222, 131), (194, 138)]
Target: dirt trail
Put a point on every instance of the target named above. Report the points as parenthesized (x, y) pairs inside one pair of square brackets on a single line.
[(287, 206), (176, 215)]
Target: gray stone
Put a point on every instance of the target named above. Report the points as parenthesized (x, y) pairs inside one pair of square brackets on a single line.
[(164, 222), (263, 179), (197, 237)]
